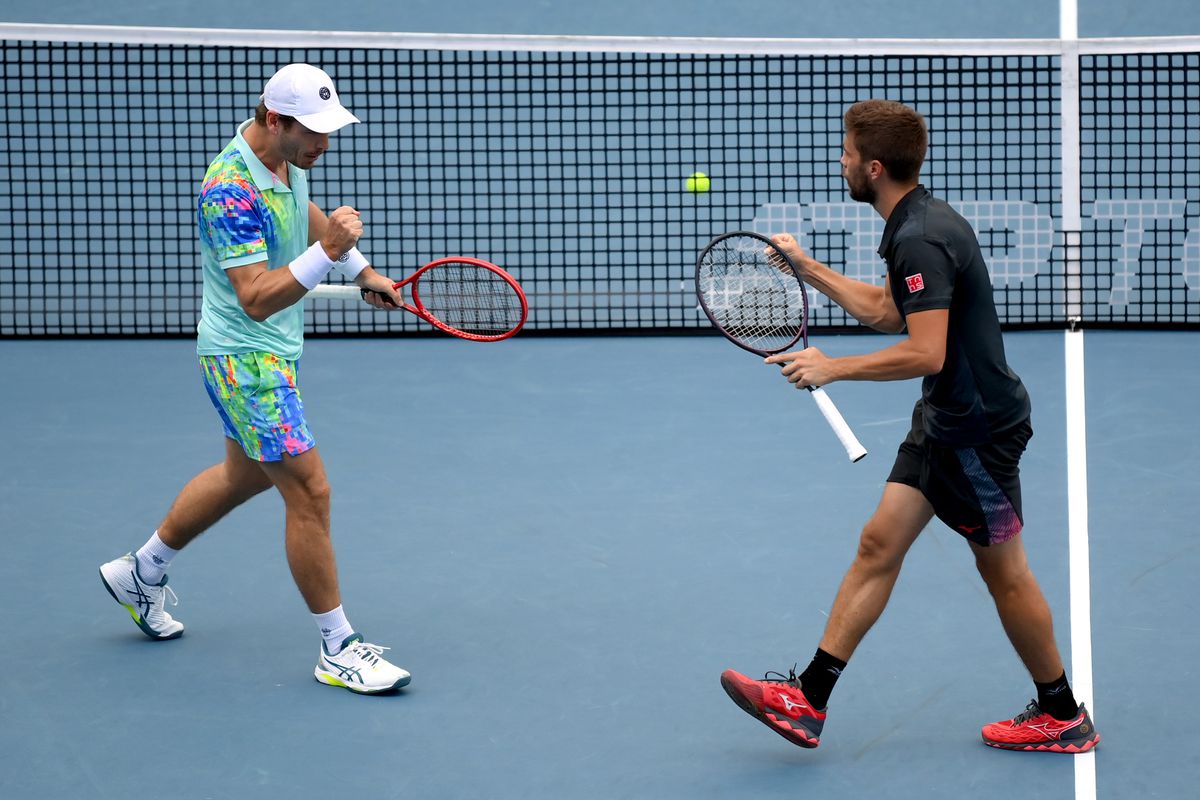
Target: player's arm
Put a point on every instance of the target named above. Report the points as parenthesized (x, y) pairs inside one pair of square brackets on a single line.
[(921, 353), (263, 292), (380, 292), (869, 304)]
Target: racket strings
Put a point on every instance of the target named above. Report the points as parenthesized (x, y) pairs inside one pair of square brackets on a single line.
[(752, 294), (471, 298)]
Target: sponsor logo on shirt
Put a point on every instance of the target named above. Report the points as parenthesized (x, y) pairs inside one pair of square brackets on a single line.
[(915, 283)]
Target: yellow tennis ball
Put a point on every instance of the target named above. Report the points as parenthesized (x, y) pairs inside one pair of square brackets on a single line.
[(698, 183)]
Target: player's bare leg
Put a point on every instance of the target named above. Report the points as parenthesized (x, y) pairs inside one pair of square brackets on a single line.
[(1055, 721), (1022, 607), (140, 586), (794, 706), (212, 494), (357, 665), (302, 482), (902, 514)]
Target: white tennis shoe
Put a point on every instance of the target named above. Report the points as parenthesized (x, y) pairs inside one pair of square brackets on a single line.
[(359, 667), (144, 601)]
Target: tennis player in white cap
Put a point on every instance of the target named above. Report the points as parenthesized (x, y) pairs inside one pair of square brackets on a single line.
[(263, 246)]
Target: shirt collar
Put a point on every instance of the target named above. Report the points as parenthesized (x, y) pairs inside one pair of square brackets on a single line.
[(264, 179), (899, 213)]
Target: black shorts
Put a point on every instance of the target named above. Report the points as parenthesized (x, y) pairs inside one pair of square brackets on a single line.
[(974, 490)]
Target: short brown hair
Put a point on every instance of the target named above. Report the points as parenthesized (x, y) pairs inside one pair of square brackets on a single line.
[(891, 133), (260, 116)]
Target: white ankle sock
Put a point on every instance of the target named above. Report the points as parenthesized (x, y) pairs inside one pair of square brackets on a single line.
[(153, 559), (334, 629)]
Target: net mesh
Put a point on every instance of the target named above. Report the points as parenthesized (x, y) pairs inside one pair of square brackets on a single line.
[(567, 167), (1140, 116)]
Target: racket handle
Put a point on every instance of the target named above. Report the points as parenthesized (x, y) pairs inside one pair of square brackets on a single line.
[(335, 292), (854, 448)]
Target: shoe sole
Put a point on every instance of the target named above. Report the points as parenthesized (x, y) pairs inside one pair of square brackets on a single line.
[(1069, 748), (137, 618), (792, 735), (330, 680)]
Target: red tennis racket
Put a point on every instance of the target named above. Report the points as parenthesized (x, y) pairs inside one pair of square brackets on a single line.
[(464, 297)]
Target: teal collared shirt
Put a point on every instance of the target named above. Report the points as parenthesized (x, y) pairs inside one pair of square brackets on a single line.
[(247, 215)]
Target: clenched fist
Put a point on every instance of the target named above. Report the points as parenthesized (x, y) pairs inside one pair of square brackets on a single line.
[(344, 230)]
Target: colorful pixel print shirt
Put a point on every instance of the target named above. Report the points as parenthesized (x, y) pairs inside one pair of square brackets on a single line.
[(246, 215)]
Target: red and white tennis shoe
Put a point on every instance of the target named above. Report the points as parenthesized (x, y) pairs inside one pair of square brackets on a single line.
[(778, 703), (1034, 729)]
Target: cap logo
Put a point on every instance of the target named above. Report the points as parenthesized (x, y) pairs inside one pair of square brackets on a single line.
[(324, 92)]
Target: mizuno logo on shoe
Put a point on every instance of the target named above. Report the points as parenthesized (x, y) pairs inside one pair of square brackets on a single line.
[(1053, 728), (790, 705)]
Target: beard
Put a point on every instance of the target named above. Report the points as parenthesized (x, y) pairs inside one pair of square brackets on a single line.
[(293, 152), (860, 188), (301, 159)]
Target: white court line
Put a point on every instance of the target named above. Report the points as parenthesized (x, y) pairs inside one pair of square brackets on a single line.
[(1068, 20), (1077, 525), (1077, 510)]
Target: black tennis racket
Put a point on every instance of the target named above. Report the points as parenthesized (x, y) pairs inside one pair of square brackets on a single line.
[(752, 293)]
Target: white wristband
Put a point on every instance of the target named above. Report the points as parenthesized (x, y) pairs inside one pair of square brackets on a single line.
[(352, 262), (311, 266)]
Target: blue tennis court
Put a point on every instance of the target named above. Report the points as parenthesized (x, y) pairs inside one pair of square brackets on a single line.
[(564, 543), (567, 536)]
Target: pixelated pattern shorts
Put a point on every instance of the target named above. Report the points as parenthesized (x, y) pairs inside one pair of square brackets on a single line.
[(259, 404)]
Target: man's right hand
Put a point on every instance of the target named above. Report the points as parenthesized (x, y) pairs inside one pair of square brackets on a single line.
[(792, 249), (344, 230)]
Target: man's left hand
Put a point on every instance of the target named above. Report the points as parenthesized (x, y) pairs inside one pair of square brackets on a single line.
[(805, 368), (378, 291)]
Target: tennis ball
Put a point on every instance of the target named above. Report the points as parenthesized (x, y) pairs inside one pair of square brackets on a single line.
[(698, 183)]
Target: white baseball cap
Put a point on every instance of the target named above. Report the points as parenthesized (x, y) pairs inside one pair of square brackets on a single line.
[(306, 93)]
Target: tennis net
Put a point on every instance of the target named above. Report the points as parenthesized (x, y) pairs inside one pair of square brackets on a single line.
[(564, 160)]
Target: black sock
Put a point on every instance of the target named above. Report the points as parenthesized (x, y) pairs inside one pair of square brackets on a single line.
[(818, 679), (1056, 698)]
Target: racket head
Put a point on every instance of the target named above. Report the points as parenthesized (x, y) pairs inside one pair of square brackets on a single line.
[(469, 298), (755, 303)]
